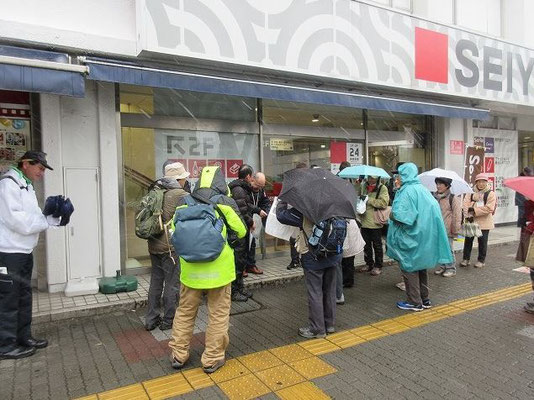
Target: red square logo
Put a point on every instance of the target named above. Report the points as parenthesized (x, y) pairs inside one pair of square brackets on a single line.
[(431, 56), (232, 168), (195, 167), (489, 165), (218, 163)]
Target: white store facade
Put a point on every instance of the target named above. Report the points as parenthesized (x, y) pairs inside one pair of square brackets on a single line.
[(113, 95)]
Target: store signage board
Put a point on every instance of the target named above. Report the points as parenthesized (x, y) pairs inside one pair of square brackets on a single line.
[(456, 147), (406, 52), (276, 144), (343, 151)]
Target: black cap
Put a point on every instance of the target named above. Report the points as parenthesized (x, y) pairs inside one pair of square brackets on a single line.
[(445, 181), (38, 156), (396, 170)]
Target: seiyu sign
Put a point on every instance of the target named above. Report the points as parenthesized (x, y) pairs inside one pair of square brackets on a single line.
[(341, 39)]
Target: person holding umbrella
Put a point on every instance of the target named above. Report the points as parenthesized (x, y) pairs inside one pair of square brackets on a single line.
[(316, 195), (417, 238)]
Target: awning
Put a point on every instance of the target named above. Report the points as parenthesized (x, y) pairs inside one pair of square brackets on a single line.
[(110, 71), (40, 71)]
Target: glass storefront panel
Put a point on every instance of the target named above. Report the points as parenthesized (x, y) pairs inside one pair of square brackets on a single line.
[(161, 126), (526, 149), (396, 137)]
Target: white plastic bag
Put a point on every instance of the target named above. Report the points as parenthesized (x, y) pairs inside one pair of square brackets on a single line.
[(256, 233), (361, 206), (275, 228)]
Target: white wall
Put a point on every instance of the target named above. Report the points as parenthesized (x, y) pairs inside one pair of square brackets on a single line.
[(82, 133), (106, 26), (439, 11)]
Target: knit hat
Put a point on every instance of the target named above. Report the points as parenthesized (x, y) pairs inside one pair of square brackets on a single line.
[(176, 171)]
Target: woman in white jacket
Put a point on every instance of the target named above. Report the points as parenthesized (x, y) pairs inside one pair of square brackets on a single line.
[(353, 245)]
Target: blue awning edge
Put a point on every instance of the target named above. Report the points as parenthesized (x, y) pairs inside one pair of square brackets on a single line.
[(138, 75), (38, 78)]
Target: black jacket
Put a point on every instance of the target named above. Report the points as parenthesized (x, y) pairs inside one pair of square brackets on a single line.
[(242, 194), (260, 202)]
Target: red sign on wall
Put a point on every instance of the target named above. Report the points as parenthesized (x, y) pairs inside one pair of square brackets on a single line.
[(431, 55), (489, 165), (457, 147), (195, 167), (232, 168), (218, 163)]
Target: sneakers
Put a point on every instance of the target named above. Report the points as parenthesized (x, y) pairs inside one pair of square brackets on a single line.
[(238, 296), (401, 286), (165, 326), (253, 269), (529, 307), (464, 263), (341, 300), (366, 268), (177, 364), (214, 367), (153, 325), (330, 329), (245, 292), (479, 264), (309, 334), (376, 271), (449, 273), (439, 270), (293, 265), (427, 304), (405, 305)]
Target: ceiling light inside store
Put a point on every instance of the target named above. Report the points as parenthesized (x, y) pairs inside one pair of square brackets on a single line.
[(323, 146), (315, 118), (527, 137)]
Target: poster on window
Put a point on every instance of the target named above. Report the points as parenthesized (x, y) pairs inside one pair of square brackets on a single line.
[(14, 140), (196, 149), (501, 162), (343, 151)]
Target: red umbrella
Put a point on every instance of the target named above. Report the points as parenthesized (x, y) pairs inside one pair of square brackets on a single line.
[(522, 184)]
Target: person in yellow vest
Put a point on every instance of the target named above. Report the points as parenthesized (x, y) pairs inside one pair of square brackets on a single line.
[(212, 278)]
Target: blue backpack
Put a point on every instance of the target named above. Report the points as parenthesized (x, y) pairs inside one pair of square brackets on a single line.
[(198, 231), (327, 237)]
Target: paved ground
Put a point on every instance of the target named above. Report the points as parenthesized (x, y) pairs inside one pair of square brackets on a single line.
[(480, 348)]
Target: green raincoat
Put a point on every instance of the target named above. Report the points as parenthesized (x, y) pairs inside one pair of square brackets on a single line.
[(417, 238)]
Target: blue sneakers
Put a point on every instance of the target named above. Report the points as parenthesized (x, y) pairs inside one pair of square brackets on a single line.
[(405, 305)]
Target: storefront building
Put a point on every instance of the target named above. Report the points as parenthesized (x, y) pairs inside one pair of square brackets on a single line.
[(270, 84)]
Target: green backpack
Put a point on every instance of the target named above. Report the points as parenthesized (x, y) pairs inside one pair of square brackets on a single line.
[(149, 221)]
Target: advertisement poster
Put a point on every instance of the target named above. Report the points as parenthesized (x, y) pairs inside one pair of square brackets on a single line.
[(195, 150), (14, 140), (456, 147), (343, 151), (501, 162)]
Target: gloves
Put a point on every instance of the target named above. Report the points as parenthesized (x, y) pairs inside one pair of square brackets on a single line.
[(470, 219), (471, 210), (53, 221)]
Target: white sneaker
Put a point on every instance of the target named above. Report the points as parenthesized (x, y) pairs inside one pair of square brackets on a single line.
[(464, 263), (449, 273), (439, 270), (401, 286), (479, 264), (341, 300)]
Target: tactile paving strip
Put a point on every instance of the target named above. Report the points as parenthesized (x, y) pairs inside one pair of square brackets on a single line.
[(260, 361), (345, 339), (244, 388), (291, 353), (319, 346), (167, 386), (231, 370), (130, 392), (197, 378), (302, 391), (311, 368), (280, 377)]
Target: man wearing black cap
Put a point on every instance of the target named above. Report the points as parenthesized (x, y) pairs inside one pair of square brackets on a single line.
[(21, 221)]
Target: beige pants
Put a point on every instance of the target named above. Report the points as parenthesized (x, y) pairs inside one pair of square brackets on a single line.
[(219, 303)]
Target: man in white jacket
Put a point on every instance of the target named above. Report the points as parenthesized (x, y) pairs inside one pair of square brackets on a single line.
[(21, 221)]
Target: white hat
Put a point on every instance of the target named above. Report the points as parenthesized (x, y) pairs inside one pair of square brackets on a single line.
[(176, 171)]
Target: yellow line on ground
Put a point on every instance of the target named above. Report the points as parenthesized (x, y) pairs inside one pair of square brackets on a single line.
[(286, 370)]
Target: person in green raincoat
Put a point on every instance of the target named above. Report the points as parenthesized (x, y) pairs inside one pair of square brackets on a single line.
[(416, 238)]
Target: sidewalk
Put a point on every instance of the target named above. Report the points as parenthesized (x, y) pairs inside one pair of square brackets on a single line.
[(57, 306)]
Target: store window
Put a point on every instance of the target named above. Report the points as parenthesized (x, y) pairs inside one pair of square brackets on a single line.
[(15, 127), (196, 129), (397, 137)]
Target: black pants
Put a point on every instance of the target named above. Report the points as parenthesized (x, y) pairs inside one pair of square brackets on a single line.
[(347, 265), (482, 246), (15, 299), (251, 254), (295, 257), (373, 241), (240, 258)]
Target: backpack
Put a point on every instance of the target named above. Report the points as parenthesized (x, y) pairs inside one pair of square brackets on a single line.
[(148, 221), (327, 237), (198, 230)]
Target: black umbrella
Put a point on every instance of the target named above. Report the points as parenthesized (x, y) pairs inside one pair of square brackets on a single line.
[(319, 194)]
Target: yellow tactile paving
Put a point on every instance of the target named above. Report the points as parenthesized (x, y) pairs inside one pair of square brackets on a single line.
[(260, 361), (231, 370), (368, 332), (197, 378), (280, 377), (448, 310), (411, 320), (167, 386), (345, 339), (291, 353), (319, 346), (390, 326), (311, 368), (130, 392), (92, 397), (244, 388), (302, 391)]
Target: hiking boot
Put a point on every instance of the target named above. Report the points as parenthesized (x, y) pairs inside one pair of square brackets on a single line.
[(245, 292), (427, 304), (401, 286), (479, 264), (406, 305), (529, 307), (449, 272), (341, 300), (177, 364), (464, 263), (165, 326), (439, 270), (309, 334), (291, 265), (153, 325), (253, 269), (214, 367), (238, 296), (376, 271), (365, 268), (330, 329)]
